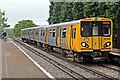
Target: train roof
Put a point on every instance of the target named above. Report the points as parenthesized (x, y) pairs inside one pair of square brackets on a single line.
[(52, 25), (65, 23), (30, 28)]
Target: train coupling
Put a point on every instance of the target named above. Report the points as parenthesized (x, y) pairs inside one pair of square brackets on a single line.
[(97, 56)]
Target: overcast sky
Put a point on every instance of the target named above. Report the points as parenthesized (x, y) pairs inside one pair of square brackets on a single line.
[(35, 10)]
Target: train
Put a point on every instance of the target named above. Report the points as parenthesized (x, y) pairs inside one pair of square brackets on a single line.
[(81, 40)]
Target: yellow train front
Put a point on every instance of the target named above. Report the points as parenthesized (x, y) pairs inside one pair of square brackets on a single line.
[(92, 38)]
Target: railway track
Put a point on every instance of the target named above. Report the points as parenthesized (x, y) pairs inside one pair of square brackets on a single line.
[(73, 74), (88, 69), (106, 66), (70, 72)]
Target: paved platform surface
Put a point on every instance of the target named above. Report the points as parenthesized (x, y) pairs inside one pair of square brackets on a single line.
[(0, 59), (116, 50), (15, 64)]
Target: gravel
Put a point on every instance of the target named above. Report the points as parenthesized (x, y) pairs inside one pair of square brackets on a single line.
[(106, 70)]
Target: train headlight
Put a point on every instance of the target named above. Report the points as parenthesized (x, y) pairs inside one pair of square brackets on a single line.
[(84, 44), (107, 44)]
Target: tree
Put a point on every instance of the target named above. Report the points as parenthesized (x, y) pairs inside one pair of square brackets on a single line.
[(55, 12), (68, 11), (101, 9), (22, 24), (65, 11), (3, 20), (77, 10)]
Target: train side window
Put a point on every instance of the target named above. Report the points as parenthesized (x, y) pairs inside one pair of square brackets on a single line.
[(50, 32), (37, 32), (32, 32), (64, 33), (41, 32), (53, 33)]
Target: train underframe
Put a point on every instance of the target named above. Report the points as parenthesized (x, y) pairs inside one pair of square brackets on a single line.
[(94, 56)]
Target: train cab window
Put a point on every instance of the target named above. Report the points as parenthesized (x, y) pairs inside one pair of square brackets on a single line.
[(106, 28), (85, 29), (64, 33), (95, 30), (53, 33)]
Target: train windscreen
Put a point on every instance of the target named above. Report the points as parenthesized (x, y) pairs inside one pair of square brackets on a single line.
[(95, 28)]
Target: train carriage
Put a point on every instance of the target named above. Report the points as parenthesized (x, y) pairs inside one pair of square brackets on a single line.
[(52, 36), (84, 38), (30, 34), (36, 34), (42, 35)]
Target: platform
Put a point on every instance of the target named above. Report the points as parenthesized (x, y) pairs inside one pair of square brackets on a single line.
[(15, 64), (115, 52)]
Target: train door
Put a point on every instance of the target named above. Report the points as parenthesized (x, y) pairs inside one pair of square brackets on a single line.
[(64, 37), (46, 35), (95, 36), (73, 35), (58, 37)]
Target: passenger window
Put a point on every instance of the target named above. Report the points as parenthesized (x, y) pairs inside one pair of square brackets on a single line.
[(53, 33), (50, 33), (31, 32), (37, 32), (64, 33), (41, 32)]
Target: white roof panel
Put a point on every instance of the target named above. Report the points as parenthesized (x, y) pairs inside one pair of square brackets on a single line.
[(65, 23), (53, 25), (31, 28)]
